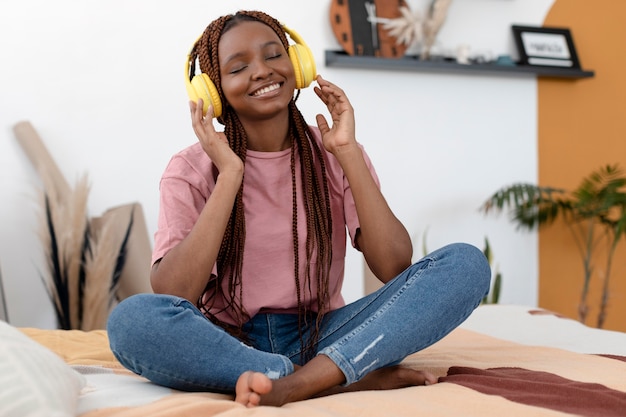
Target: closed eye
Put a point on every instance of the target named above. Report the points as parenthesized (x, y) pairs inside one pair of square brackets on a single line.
[(237, 69)]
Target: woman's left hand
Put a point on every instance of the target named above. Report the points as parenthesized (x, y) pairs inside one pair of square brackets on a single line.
[(384, 241), (342, 132)]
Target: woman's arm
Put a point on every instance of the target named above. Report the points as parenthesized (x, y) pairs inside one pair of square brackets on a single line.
[(384, 241), (185, 270)]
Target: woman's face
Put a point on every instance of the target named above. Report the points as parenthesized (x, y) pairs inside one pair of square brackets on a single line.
[(258, 78)]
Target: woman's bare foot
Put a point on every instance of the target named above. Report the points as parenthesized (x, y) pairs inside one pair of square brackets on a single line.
[(250, 387), (392, 377), (254, 388)]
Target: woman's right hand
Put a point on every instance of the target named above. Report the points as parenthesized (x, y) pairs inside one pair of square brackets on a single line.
[(214, 143)]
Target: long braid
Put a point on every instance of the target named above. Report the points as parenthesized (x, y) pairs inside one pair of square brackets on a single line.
[(314, 190), (319, 221), (230, 255)]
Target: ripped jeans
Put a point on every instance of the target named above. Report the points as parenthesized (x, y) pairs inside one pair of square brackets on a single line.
[(169, 341)]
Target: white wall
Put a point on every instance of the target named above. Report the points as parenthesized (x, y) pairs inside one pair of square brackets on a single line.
[(102, 83)]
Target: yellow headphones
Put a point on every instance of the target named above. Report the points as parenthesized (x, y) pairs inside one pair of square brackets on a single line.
[(201, 86)]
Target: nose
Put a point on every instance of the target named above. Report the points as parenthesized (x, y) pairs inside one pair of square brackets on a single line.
[(260, 69)]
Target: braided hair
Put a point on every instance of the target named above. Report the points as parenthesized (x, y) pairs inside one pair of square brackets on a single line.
[(314, 190)]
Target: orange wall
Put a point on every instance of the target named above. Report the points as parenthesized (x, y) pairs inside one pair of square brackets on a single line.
[(582, 126)]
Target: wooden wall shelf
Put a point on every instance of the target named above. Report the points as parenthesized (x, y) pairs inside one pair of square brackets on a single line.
[(340, 59)]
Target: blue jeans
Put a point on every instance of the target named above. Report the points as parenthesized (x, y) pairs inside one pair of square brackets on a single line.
[(169, 341)]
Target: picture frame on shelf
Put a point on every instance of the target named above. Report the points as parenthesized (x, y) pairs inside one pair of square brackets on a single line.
[(545, 46)]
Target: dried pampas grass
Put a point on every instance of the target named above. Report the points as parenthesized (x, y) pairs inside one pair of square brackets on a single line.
[(103, 266), (64, 234), (84, 262), (85, 257)]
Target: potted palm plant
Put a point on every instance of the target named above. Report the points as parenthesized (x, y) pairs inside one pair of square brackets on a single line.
[(594, 212)]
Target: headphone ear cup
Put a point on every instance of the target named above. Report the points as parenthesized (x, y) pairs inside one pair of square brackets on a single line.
[(303, 65), (202, 87)]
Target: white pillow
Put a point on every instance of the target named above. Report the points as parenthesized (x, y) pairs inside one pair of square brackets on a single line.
[(34, 381)]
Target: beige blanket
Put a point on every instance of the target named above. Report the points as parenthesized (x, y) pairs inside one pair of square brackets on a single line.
[(479, 376)]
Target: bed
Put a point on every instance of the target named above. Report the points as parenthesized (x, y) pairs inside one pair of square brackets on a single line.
[(505, 360)]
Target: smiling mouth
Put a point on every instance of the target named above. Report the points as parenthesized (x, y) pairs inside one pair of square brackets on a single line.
[(266, 90)]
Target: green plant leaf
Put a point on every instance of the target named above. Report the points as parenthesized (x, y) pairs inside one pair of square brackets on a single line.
[(598, 203), (487, 251), (530, 205)]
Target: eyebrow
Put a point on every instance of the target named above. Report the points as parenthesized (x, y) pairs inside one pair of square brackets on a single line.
[(239, 54)]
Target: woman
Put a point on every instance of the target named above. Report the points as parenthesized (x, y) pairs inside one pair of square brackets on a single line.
[(249, 254)]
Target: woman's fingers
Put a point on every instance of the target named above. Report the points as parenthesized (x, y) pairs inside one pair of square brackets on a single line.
[(322, 124), (199, 120), (333, 97)]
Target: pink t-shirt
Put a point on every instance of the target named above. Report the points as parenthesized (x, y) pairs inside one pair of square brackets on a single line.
[(268, 281)]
